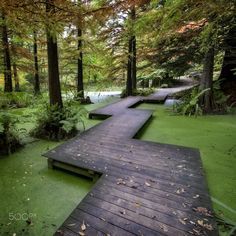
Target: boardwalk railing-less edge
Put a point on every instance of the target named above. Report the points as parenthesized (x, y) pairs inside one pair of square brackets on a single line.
[(144, 188)]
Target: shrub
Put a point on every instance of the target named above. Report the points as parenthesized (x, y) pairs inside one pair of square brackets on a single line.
[(138, 92), (56, 123), (9, 134), (189, 103), (15, 100)]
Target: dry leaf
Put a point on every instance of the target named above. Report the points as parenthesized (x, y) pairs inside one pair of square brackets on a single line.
[(164, 228), (196, 232), (203, 211), (120, 181), (179, 191), (182, 221), (206, 226), (70, 225), (152, 181), (83, 226)]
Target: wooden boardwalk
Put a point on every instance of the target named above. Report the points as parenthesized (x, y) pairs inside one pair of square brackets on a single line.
[(144, 188)]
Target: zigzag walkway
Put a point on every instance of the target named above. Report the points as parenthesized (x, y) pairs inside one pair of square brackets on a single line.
[(145, 188)]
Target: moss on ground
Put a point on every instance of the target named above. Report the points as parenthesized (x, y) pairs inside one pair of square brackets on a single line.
[(215, 137)]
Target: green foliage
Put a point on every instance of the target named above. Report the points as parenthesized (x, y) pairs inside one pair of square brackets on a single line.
[(189, 104), (56, 123), (226, 226), (138, 92), (15, 100), (220, 98), (9, 134), (29, 77), (143, 92)]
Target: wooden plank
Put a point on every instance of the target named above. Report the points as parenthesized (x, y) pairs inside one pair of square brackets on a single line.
[(117, 220), (78, 225), (98, 220), (146, 188)]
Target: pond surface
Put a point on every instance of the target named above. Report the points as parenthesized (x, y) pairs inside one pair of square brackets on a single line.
[(101, 96), (171, 102)]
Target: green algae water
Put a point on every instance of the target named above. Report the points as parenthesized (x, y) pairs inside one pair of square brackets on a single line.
[(35, 200)]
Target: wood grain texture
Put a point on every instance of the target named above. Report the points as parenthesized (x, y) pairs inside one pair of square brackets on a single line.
[(145, 188)]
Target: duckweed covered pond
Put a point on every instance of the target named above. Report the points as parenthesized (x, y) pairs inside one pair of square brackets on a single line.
[(36, 200)]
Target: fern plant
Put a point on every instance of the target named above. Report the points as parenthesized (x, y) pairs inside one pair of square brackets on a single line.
[(9, 134), (56, 123), (189, 104)]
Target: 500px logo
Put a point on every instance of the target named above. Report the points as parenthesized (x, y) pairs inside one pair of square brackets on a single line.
[(21, 216)]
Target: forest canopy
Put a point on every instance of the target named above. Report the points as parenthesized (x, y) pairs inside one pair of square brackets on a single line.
[(72, 44)]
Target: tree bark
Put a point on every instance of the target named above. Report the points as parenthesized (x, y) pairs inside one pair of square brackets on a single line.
[(36, 66), (133, 55), (129, 86), (53, 67), (133, 64), (229, 61), (7, 58), (228, 70), (131, 83), (16, 78), (80, 83), (206, 100)]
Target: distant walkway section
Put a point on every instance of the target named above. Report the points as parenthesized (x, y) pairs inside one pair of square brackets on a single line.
[(144, 188)]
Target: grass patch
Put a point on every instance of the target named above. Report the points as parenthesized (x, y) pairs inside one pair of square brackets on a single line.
[(215, 137)]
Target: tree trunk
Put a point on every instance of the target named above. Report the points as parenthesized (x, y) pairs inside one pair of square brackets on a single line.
[(229, 62), (16, 78), (53, 68), (206, 100), (131, 83), (36, 66), (80, 83), (129, 87), (7, 58), (133, 55), (228, 70)]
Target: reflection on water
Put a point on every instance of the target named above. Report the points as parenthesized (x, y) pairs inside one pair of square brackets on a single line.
[(101, 96), (171, 102)]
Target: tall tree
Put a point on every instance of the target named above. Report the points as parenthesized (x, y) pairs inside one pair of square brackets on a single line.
[(207, 99), (133, 53), (131, 65), (36, 66), (7, 58), (16, 77), (129, 81), (229, 63), (14, 66), (53, 67), (80, 82)]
